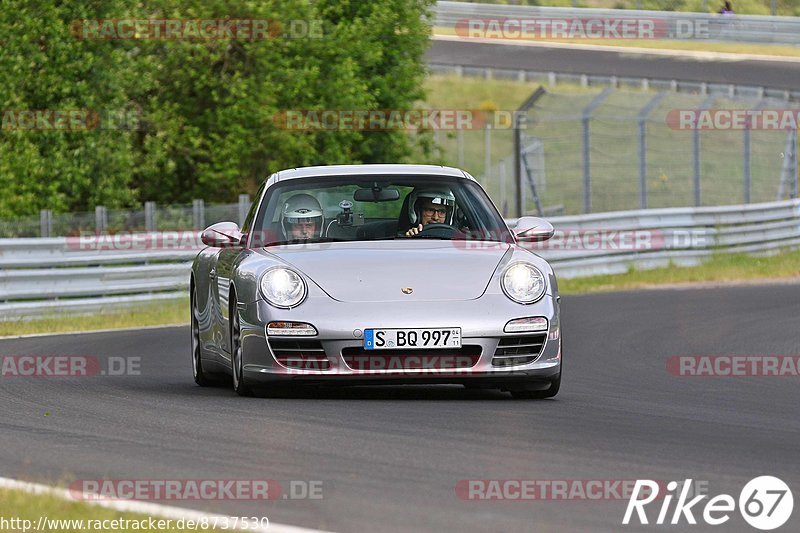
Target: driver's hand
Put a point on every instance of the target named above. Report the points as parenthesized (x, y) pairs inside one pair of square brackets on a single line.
[(414, 231)]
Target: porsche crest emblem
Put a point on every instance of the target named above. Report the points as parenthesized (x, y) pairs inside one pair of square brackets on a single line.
[(407, 290)]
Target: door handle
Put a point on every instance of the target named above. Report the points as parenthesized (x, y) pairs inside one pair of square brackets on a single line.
[(213, 273)]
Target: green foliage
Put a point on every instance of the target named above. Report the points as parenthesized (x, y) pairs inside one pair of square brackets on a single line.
[(205, 109), (42, 66)]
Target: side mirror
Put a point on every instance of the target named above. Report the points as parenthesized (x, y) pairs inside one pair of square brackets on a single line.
[(222, 235), (533, 229)]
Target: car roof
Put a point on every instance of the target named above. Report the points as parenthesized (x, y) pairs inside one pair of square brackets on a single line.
[(366, 170)]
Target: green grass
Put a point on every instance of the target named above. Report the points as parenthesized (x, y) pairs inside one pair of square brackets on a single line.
[(721, 268), (18, 504), (167, 312)]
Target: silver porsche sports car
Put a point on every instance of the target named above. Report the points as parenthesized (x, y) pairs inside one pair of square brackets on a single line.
[(376, 274)]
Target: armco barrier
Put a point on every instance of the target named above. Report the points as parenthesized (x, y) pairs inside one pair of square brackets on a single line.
[(731, 28), (46, 276)]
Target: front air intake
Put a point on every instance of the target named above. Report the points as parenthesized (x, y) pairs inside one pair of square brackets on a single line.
[(521, 350), (299, 354)]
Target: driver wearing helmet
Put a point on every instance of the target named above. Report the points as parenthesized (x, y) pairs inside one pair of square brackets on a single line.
[(429, 206), (302, 218)]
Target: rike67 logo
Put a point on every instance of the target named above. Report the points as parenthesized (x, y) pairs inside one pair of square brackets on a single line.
[(765, 503)]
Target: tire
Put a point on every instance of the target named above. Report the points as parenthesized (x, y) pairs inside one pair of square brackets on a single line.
[(240, 386), (555, 385), (200, 377)]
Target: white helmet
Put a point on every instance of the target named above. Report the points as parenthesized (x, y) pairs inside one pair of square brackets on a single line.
[(301, 208), (437, 196)]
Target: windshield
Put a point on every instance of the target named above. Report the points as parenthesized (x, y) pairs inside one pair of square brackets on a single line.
[(370, 208)]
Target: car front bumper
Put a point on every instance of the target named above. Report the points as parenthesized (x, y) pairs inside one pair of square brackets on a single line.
[(339, 326)]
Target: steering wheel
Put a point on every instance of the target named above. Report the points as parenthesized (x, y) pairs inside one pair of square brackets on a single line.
[(437, 230)]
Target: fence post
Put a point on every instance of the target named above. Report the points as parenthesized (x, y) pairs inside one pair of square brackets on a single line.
[(707, 103), (503, 204), (519, 205), (487, 153), (150, 216), (100, 219), (520, 122), (747, 155), (46, 223), (696, 165), (587, 176), (198, 214), (795, 183), (746, 163), (460, 141), (642, 119), (244, 207)]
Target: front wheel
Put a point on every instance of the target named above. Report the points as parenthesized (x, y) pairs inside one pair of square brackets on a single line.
[(200, 377), (237, 365)]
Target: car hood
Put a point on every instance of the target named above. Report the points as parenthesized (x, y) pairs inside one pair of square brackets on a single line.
[(379, 271)]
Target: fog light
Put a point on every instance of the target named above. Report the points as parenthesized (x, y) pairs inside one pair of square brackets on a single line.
[(293, 329), (525, 325)]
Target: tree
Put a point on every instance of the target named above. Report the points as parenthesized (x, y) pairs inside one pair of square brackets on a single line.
[(206, 108)]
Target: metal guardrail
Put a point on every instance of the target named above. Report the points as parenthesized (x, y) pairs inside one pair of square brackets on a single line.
[(67, 275), (684, 236), (47, 276), (552, 79), (731, 28)]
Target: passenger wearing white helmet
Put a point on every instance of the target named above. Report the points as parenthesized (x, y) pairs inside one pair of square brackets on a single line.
[(430, 206), (302, 218)]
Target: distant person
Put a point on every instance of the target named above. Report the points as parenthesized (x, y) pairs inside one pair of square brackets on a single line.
[(727, 8)]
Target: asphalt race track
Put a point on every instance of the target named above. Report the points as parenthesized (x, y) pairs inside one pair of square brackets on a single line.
[(390, 458), (774, 74)]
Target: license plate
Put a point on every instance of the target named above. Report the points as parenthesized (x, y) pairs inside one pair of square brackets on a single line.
[(405, 339)]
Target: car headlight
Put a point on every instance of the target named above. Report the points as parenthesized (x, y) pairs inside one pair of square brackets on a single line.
[(524, 283), (283, 287)]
